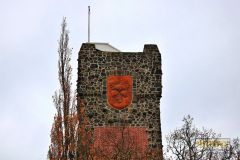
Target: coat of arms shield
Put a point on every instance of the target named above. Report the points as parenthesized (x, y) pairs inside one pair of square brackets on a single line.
[(119, 91)]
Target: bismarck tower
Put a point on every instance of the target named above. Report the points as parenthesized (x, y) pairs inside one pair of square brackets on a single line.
[(122, 91)]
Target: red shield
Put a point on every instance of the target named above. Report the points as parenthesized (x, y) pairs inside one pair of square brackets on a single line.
[(119, 91)]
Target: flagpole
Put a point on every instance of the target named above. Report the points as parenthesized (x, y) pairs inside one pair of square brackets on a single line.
[(88, 24)]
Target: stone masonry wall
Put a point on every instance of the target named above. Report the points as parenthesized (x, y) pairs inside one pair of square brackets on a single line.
[(95, 66)]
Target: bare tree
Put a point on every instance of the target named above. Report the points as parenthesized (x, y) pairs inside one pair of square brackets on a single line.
[(62, 134), (70, 137), (191, 143), (182, 143), (231, 151), (236, 148)]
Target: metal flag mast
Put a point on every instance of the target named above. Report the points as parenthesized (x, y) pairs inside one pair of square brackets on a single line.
[(88, 24)]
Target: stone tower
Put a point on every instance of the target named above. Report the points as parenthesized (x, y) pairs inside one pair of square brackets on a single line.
[(122, 89)]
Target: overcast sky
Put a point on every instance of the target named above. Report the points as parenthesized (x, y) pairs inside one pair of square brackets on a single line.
[(199, 41)]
